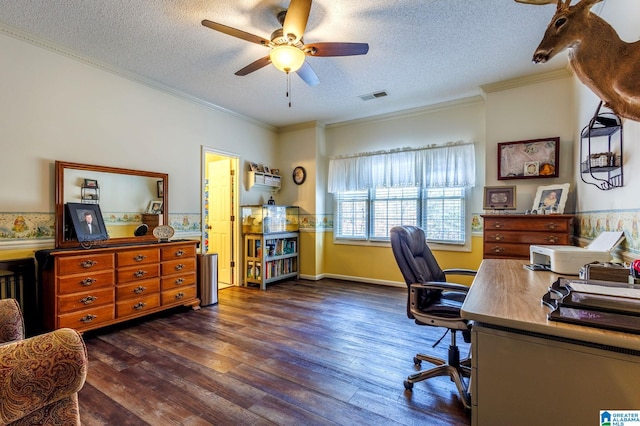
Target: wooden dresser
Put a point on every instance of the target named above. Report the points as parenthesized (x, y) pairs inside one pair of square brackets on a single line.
[(89, 289), (509, 236)]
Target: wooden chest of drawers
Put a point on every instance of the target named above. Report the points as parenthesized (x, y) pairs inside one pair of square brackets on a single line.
[(509, 236), (89, 289)]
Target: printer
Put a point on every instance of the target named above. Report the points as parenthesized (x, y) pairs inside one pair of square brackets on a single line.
[(569, 259)]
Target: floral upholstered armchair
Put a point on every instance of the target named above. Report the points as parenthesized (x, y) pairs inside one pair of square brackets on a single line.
[(39, 377)]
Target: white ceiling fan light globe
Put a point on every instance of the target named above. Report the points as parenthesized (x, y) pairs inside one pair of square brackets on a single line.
[(287, 58)]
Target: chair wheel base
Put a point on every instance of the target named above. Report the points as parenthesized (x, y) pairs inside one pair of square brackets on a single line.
[(408, 385), (417, 361)]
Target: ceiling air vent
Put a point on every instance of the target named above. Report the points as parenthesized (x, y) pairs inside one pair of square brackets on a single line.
[(375, 95)]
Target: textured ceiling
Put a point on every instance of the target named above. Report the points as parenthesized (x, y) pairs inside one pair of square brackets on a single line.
[(421, 52)]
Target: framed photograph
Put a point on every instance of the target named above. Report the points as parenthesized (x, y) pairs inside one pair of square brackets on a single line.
[(90, 183), (253, 167), (155, 207), (514, 158), (160, 189), (275, 172), (499, 198), (87, 222), (531, 168), (551, 199), (267, 170)]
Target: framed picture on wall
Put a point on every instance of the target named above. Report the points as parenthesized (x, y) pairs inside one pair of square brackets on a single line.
[(516, 160)]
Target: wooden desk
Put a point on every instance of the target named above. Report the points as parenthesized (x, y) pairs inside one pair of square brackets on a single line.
[(531, 371)]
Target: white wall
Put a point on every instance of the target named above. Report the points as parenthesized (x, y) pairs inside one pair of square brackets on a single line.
[(624, 16), (57, 108), (534, 111)]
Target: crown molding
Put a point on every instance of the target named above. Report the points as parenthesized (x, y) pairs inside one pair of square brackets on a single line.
[(527, 80)]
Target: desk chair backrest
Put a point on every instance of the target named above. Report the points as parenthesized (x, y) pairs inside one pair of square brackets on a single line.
[(415, 260)]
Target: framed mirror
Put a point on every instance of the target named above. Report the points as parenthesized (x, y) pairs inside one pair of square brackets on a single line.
[(122, 196)]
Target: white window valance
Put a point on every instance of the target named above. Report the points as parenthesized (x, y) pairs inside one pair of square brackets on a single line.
[(451, 165)]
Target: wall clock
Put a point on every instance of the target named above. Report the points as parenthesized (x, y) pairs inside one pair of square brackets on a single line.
[(299, 175)]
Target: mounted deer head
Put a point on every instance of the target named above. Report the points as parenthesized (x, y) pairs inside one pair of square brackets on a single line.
[(602, 61)]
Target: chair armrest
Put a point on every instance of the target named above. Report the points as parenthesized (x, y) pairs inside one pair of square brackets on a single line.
[(458, 271), (11, 321), (40, 370), (433, 285)]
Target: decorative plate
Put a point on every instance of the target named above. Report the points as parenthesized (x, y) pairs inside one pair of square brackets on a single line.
[(163, 232), (299, 175)]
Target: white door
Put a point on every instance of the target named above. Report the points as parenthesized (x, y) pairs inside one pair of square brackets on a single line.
[(220, 212)]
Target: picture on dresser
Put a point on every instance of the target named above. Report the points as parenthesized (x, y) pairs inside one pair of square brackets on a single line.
[(535, 158), (551, 199), (87, 221), (499, 198)]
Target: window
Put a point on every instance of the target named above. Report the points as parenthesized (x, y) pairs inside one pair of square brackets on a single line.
[(370, 215)]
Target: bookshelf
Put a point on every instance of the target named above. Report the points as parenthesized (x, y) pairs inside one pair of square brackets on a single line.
[(271, 244)]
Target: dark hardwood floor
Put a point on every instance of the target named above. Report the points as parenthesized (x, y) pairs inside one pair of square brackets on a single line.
[(300, 353)]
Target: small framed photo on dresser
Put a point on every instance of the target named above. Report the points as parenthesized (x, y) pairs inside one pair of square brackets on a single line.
[(499, 198)]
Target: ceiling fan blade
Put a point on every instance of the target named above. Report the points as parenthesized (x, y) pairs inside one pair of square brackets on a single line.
[(308, 74), (296, 19), (236, 32), (336, 49), (254, 66)]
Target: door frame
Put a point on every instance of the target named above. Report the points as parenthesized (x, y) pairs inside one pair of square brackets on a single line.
[(236, 203)]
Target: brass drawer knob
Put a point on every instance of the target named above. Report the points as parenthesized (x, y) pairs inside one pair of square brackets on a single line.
[(179, 295), (552, 225), (497, 237), (88, 300), (180, 267), (140, 258), (139, 305), (87, 282), (88, 263), (88, 318), (180, 253), (139, 273), (139, 289), (552, 239), (497, 249), (179, 281)]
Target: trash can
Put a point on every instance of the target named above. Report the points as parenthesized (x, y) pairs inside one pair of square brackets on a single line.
[(208, 278)]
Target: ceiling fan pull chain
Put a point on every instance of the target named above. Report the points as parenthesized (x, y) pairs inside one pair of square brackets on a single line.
[(289, 87)]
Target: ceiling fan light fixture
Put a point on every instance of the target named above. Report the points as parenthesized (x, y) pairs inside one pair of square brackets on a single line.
[(287, 58)]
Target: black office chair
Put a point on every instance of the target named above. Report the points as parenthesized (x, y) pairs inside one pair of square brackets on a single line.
[(435, 302)]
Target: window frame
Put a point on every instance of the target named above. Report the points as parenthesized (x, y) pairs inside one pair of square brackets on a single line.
[(463, 245)]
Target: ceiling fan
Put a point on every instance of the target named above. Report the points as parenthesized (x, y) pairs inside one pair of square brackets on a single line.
[(288, 51)]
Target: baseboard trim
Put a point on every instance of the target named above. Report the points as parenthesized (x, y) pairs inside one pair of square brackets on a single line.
[(356, 279)]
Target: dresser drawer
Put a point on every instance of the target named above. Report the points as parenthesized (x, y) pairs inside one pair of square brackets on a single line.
[(137, 305), (137, 289), (77, 301), (180, 280), (84, 263), (178, 295), (500, 250), (138, 273), (539, 238), (87, 318), (180, 252), (137, 257), (84, 282), (531, 223), (179, 266)]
